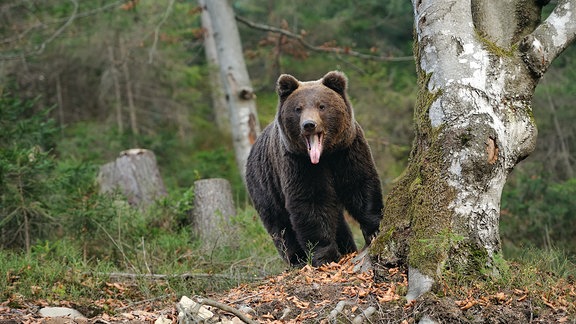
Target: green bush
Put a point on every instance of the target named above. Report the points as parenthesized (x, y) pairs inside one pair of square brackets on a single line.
[(540, 213), (26, 173)]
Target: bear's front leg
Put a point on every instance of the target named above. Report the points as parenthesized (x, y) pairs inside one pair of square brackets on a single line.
[(358, 187), (315, 226), (364, 202)]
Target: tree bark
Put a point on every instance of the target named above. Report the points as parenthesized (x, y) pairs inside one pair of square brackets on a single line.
[(213, 208), (238, 90), (117, 91), (129, 92), (219, 106), (473, 124), (134, 174)]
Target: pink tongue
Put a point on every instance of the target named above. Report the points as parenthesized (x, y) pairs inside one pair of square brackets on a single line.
[(315, 148)]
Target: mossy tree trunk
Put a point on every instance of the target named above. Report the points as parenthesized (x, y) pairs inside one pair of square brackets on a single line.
[(478, 64)]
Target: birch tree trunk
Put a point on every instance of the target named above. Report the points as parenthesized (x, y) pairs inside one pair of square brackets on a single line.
[(219, 106), (478, 63), (238, 89)]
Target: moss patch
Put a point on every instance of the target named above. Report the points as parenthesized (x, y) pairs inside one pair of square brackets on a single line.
[(493, 48), (431, 216), (417, 221)]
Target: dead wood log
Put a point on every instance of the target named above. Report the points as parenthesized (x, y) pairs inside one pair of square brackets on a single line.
[(135, 174), (213, 208)]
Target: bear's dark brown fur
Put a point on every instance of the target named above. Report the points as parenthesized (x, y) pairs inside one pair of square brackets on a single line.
[(310, 165)]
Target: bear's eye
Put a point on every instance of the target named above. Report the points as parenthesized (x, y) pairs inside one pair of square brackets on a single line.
[(321, 107), (298, 109)]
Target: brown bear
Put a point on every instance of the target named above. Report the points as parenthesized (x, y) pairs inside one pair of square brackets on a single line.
[(308, 166)]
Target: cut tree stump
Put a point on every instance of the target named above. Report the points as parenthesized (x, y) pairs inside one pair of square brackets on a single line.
[(213, 208), (135, 174)]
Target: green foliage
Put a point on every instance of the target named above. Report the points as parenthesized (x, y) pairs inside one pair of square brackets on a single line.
[(26, 173), (47, 173), (53, 271), (536, 212), (91, 233), (442, 241), (134, 242), (538, 274), (548, 261), (21, 126)]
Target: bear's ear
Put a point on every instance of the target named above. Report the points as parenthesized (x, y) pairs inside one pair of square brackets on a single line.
[(286, 85), (336, 81)]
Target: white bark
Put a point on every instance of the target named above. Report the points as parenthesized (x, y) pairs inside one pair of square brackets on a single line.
[(475, 100), (239, 92), (550, 38), (219, 105), (480, 117)]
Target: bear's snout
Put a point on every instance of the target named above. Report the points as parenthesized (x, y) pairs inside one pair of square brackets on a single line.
[(309, 126)]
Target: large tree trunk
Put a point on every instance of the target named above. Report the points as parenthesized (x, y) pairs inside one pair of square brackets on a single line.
[(238, 90), (474, 123), (134, 174)]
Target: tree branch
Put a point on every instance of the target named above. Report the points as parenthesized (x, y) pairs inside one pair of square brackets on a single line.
[(67, 21), (152, 50), (184, 276), (551, 38), (61, 29), (336, 50)]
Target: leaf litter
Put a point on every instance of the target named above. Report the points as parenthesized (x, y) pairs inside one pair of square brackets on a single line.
[(333, 293)]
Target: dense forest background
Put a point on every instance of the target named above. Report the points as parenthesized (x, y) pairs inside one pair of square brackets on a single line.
[(81, 81)]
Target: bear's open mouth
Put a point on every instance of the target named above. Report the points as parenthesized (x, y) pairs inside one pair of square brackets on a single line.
[(314, 143)]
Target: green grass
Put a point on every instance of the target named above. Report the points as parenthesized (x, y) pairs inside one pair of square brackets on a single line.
[(545, 276), (59, 270)]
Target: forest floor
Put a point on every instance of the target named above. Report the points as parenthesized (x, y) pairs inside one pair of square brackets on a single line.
[(334, 293)]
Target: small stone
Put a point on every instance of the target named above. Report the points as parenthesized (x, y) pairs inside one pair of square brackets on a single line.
[(236, 320), (60, 312), (190, 311), (163, 320)]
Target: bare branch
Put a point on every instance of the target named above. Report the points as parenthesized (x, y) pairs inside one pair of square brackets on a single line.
[(157, 31), (94, 11), (61, 29), (335, 50), (551, 38), (67, 21), (184, 276)]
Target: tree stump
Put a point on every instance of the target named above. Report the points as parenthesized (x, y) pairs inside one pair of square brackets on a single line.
[(134, 174), (213, 208)]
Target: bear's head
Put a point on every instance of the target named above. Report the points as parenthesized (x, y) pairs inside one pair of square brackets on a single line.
[(315, 117)]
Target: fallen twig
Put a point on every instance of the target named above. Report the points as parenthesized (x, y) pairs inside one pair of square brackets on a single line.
[(140, 302), (177, 276), (226, 308)]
